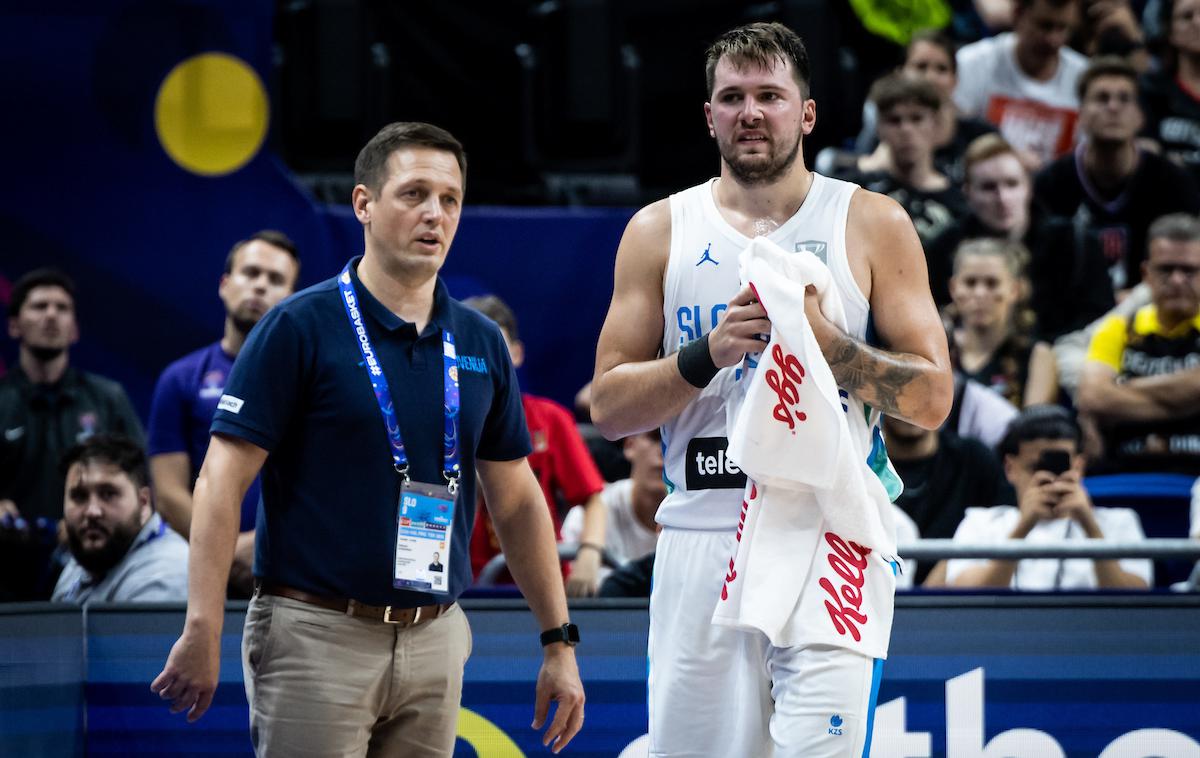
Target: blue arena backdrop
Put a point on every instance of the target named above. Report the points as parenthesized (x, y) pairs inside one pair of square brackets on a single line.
[(1115, 676), (145, 238)]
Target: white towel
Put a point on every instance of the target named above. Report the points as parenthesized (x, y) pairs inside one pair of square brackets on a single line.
[(814, 510)]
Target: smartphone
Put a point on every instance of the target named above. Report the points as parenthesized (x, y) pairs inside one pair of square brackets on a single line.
[(1053, 461)]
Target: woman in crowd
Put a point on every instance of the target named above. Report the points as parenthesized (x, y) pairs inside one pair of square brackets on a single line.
[(993, 326)]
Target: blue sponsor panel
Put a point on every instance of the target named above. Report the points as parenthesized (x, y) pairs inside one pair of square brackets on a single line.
[(968, 677), (126, 650), (41, 671), (1077, 676)]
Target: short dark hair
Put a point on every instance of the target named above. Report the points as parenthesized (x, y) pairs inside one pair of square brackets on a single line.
[(372, 160), (762, 44), (497, 310), (41, 277), (1040, 422), (114, 449), (271, 237), (1105, 65), (1177, 227), (938, 38), (898, 88)]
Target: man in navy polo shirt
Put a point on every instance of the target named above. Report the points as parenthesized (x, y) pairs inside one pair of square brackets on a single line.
[(259, 272), (348, 397)]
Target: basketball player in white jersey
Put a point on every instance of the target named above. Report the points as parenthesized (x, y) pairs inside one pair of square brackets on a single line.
[(670, 352)]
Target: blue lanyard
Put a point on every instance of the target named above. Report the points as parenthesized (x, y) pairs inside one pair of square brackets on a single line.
[(383, 395)]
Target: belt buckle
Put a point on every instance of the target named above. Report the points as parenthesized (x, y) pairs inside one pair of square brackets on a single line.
[(387, 616)]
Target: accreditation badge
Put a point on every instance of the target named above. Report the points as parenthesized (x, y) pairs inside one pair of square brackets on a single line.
[(424, 528)]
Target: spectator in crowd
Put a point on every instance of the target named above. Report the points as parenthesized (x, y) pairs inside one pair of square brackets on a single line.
[(908, 110), (977, 412), (1043, 462), (630, 504), (1070, 350), (1110, 27), (1068, 275), (46, 406), (943, 474), (121, 550), (1141, 381), (259, 272), (930, 56), (634, 579), (1110, 186), (1023, 81), (1171, 95), (978, 18), (562, 464), (993, 334), (609, 455)]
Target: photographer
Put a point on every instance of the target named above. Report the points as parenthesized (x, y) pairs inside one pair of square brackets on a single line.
[(1043, 463)]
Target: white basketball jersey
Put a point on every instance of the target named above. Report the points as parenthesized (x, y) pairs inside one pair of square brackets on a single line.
[(704, 488)]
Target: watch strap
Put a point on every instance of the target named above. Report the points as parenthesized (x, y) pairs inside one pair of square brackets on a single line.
[(567, 633)]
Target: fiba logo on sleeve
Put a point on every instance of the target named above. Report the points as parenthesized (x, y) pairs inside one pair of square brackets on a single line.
[(709, 468), (230, 403)]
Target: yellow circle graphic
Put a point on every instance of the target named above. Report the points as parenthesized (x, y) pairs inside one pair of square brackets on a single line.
[(488, 740), (211, 114)]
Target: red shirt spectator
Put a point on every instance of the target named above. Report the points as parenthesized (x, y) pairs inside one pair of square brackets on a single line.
[(563, 467)]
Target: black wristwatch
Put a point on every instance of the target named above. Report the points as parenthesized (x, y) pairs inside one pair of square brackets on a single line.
[(567, 633)]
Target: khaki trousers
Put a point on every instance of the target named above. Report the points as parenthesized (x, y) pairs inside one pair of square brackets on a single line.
[(321, 683)]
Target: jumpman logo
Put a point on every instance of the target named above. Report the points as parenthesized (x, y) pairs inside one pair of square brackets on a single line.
[(707, 257)]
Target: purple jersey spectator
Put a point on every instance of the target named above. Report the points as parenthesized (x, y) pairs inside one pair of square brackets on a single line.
[(181, 412)]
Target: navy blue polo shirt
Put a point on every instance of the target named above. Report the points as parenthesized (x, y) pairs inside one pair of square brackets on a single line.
[(329, 491)]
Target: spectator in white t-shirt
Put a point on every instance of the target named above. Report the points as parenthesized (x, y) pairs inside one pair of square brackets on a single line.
[(1023, 81), (1042, 461), (632, 503)]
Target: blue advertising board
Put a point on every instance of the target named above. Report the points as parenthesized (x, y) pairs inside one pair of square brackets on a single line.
[(967, 677)]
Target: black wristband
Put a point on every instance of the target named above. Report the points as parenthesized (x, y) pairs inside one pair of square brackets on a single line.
[(696, 364)]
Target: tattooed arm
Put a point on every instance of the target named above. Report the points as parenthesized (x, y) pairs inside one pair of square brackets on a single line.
[(912, 379)]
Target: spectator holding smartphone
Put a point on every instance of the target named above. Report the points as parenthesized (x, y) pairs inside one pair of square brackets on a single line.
[(1043, 463)]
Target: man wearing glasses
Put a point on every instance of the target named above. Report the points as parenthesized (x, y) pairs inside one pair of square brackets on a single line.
[(1141, 380)]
